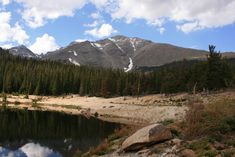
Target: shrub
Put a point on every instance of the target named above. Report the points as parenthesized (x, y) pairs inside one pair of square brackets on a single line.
[(26, 96), (35, 103), (96, 114), (215, 118), (210, 153), (4, 101), (15, 94), (16, 103), (168, 121), (101, 149)]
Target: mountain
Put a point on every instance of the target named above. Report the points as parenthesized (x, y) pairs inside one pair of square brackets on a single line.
[(115, 52), (120, 52), (22, 51)]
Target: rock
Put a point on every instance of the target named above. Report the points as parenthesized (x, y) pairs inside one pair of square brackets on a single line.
[(218, 146), (145, 151), (188, 153), (177, 142), (146, 136)]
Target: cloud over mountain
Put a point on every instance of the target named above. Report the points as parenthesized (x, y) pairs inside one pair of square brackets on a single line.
[(104, 30), (44, 44)]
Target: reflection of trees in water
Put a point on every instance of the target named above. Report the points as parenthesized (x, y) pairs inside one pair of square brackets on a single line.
[(16, 125)]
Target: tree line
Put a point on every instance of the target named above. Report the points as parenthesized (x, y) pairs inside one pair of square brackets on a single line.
[(32, 76)]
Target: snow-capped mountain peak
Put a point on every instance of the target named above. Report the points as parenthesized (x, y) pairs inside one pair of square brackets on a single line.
[(118, 52)]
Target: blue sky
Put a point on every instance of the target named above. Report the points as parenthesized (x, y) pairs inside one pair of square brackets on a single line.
[(46, 25)]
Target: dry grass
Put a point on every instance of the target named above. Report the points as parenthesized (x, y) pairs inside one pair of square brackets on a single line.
[(101, 149), (123, 132), (215, 118), (115, 139)]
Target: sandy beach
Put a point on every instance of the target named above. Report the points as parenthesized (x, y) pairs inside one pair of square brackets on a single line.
[(126, 110)]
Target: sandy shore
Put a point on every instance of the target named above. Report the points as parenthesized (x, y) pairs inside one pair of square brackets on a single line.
[(127, 110)]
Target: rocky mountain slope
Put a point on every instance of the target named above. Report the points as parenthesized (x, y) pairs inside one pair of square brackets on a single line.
[(116, 52), (119, 52), (22, 51)]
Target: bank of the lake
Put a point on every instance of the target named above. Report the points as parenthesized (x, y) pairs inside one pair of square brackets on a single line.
[(126, 110), (135, 112)]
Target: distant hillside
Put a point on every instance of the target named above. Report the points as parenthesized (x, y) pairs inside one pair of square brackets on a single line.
[(119, 52)]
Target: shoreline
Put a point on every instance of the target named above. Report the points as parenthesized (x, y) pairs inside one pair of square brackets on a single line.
[(124, 110), (127, 110)]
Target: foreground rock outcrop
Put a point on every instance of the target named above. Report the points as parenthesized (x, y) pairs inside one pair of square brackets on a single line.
[(146, 136)]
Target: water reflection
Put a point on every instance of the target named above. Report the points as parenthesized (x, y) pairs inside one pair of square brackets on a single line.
[(29, 150), (52, 133)]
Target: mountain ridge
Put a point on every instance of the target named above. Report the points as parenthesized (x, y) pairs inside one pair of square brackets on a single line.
[(119, 52)]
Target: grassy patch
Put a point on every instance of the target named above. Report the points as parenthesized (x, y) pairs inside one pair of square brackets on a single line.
[(16, 103), (210, 124), (167, 121), (211, 119), (113, 140), (76, 107)]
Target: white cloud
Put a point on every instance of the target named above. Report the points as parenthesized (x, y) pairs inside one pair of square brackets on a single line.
[(32, 149), (6, 46), (36, 13), (191, 14), (80, 40), (98, 20), (96, 15), (161, 30), (93, 24), (100, 3), (11, 33), (104, 31), (189, 27), (29, 150), (188, 15), (4, 2), (44, 44)]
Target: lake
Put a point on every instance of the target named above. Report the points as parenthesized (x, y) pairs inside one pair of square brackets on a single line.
[(26, 133)]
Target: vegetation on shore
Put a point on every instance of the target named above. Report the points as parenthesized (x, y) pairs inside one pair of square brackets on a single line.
[(208, 130)]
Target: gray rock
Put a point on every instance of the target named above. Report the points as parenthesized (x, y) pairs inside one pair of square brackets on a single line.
[(146, 136), (22, 51)]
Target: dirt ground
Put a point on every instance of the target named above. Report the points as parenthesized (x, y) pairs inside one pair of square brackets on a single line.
[(127, 110)]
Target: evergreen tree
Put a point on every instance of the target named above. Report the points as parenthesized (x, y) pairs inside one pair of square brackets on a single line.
[(218, 72), (31, 76)]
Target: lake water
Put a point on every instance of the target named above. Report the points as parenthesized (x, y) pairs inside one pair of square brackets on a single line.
[(26, 133)]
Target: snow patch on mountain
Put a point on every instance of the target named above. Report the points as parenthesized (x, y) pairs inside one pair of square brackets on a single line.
[(16, 50), (115, 42), (92, 44), (99, 46), (132, 41), (130, 66), (74, 53), (74, 62)]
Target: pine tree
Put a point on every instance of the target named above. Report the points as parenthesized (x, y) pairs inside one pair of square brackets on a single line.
[(218, 72)]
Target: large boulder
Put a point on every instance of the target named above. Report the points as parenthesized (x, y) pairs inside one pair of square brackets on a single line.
[(146, 136)]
